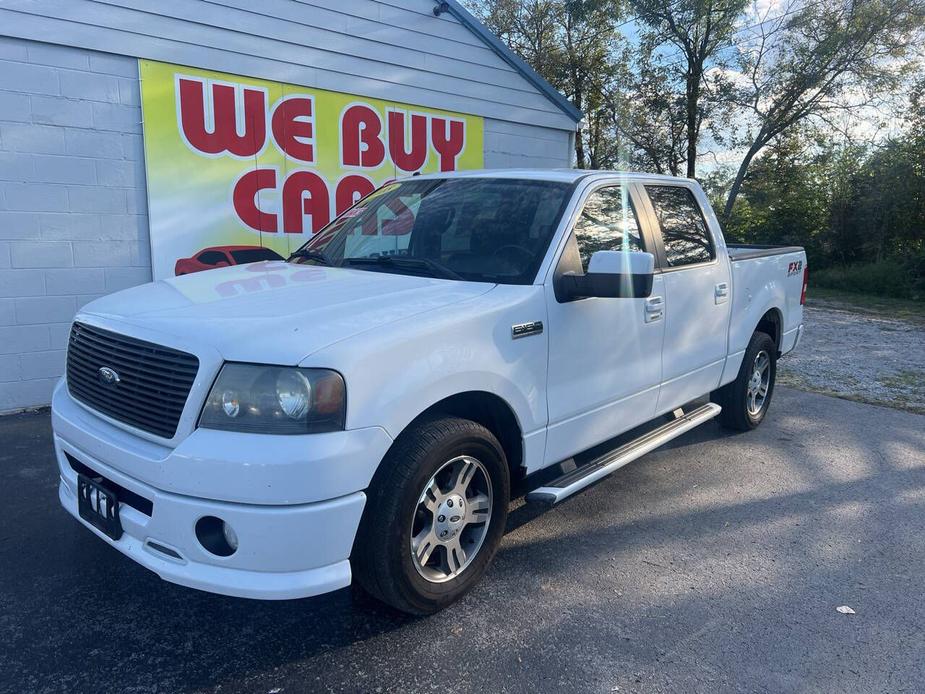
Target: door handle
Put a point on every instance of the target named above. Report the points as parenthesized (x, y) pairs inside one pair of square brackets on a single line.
[(721, 292), (655, 308)]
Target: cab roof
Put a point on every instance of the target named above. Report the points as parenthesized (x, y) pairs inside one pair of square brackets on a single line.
[(563, 175)]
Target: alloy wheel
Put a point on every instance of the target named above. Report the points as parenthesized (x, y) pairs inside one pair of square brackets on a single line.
[(758, 384), (451, 519)]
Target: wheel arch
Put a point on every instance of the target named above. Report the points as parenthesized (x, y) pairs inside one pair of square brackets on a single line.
[(772, 323), (491, 411)]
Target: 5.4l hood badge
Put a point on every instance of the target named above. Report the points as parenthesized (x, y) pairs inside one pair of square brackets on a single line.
[(107, 376), (525, 329)]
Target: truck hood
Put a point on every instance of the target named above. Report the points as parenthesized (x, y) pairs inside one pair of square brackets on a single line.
[(276, 312)]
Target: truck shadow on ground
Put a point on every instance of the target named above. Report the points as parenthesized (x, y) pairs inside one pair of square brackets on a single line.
[(84, 616), (523, 513), (610, 572)]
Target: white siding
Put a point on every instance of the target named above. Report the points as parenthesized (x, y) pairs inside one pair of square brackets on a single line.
[(397, 50), (73, 220), (515, 146)]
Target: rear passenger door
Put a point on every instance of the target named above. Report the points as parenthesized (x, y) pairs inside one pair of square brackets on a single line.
[(697, 287)]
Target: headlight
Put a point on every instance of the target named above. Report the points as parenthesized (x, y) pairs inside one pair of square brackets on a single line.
[(275, 400)]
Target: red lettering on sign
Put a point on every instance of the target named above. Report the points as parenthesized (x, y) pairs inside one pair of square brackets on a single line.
[(245, 203), (399, 225), (225, 135), (361, 141), (294, 128), (250, 285), (448, 141), (350, 190), (305, 193), (402, 157)]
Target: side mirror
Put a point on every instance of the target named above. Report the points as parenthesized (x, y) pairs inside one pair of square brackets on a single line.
[(612, 274), (221, 263)]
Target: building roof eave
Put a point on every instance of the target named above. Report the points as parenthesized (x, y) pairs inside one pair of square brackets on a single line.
[(512, 59)]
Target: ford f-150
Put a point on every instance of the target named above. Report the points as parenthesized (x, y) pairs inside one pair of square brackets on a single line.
[(363, 408)]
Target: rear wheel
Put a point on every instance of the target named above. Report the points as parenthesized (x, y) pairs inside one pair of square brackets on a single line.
[(746, 400), (435, 515)]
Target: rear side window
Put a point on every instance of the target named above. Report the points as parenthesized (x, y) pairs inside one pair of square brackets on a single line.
[(687, 240), (607, 223)]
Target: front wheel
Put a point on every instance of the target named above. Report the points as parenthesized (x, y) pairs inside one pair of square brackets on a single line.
[(746, 400), (435, 515)]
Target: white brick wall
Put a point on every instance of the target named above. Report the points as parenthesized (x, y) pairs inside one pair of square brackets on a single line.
[(73, 222)]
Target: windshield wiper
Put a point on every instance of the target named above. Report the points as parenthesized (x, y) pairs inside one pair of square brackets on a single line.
[(435, 268), (310, 255)]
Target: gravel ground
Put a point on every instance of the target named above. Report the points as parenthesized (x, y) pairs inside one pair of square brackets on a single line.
[(859, 356)]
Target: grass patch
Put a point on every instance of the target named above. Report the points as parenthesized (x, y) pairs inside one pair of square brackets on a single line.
[(895, 403), (870, 304), (908, 379), (893, 278)]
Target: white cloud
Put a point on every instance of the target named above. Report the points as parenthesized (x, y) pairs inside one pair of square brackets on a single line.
[(764, 7)]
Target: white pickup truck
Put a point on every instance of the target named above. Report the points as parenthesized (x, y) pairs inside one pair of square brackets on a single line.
[(362, 409)]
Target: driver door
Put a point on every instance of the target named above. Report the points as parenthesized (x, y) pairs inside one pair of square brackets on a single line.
[(605, 355)]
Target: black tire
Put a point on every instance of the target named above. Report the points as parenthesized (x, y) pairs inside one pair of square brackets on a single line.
[(734, 396), (382, 561)]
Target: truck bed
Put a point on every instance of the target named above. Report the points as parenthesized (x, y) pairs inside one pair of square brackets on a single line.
[(745, 251)]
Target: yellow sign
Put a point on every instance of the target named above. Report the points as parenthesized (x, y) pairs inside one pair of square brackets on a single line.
[(239, 168)]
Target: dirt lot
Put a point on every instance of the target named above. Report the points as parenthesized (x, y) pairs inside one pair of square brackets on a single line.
[(872, 353)]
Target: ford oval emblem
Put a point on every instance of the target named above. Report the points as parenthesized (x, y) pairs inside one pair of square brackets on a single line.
[(107, 376)]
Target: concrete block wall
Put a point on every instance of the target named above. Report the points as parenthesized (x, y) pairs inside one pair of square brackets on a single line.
[(73, 218)]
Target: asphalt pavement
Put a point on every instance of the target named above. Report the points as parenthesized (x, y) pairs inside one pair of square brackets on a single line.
[(714, 564)]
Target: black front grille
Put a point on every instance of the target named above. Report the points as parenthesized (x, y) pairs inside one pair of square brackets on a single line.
[(153, 381)]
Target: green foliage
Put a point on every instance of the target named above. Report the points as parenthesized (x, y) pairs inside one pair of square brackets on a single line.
[(771, 83), (858, 210), (885, 278), (784, 199), (815, 60)]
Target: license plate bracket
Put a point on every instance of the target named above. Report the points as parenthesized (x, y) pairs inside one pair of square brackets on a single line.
[(98, 506)]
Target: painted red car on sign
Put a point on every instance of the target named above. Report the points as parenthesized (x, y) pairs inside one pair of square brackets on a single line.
[(223, 256)]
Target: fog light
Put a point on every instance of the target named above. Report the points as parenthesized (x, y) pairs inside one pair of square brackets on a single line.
[(216, 536)]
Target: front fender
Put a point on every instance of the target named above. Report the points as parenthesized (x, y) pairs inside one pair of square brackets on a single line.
[(394, 375)]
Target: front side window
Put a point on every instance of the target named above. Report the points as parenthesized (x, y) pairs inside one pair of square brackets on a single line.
[(607, 223), (687, 240), (477, 229), (212, 258)]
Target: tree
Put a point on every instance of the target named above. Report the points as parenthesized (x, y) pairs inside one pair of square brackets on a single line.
[(802, 63), (530, 29), (699, 30), (647, 114), (785, 198), (571, 44)]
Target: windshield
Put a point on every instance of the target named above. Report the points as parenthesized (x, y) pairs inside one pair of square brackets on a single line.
[(479, 229), (253, 255)]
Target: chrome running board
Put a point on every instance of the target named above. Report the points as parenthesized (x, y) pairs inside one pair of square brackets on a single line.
[(589, 473)]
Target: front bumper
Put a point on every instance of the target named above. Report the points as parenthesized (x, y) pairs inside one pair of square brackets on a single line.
[(291, 544)]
